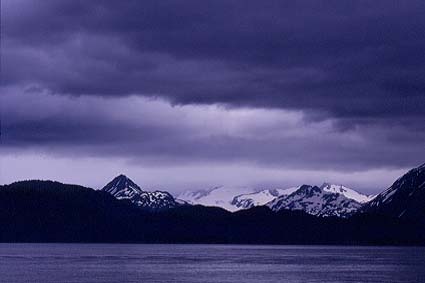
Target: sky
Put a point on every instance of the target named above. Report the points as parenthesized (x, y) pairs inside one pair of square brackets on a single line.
[(185, 95)]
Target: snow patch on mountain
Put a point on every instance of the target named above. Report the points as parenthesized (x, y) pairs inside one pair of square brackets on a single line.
[(259, 198), (220, 196)]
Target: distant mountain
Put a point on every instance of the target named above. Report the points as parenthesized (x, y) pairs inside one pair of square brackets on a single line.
[(335, 200), (123, 188), (220, 196), (319, 201), (262, 197), (232, 198), (405, 199)]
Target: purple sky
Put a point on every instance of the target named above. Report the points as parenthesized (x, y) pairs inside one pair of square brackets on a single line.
[(191, 94)]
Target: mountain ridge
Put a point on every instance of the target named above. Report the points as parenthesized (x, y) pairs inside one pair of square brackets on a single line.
[(234, 201), (123, 188), (44, 211), (404, 199)]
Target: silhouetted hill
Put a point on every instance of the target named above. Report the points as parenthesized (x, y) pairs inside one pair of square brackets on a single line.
[(51, 211), (45, 211), (405, 199)]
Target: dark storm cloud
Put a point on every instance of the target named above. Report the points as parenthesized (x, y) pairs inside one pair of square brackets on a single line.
[(153, 132), (339, 58)]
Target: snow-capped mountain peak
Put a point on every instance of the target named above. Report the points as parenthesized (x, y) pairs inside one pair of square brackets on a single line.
[(123, 188), (347, 192), (316, 201)]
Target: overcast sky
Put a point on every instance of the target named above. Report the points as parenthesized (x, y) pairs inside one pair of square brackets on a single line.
[(192, 94)]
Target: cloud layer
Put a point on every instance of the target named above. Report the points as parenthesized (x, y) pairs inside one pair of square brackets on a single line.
[(355, 60)]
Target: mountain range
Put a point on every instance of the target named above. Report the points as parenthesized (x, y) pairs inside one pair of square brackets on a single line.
[(326, 200), (47, 211)]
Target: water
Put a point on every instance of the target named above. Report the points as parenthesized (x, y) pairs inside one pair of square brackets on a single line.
[(96, 263)]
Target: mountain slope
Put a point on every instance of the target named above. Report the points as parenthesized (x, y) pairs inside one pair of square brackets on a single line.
[(404, 199), (347, 192), (123, 188), (220, 196), (316, 201), (245, 201)]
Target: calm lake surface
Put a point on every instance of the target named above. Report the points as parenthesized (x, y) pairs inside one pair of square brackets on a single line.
[(95, 263)]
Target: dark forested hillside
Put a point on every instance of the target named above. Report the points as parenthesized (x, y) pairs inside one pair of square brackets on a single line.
[(51, 211)]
